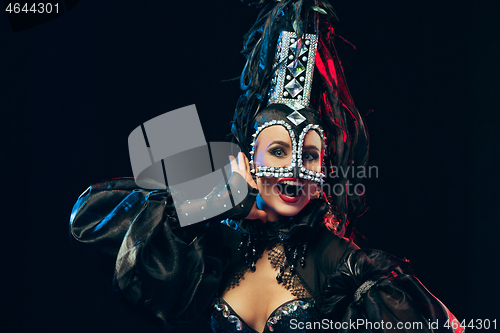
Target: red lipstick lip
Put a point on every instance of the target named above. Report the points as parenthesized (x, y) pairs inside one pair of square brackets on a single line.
[(289, 199), (292, 179), (286, 198)]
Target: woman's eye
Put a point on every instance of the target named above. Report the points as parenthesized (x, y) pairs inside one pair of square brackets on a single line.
[(310, 156), (278, 152)]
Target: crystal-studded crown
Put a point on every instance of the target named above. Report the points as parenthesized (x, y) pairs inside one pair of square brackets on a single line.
[(293, 69)]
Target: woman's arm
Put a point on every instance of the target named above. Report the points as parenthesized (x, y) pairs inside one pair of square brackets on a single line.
[(164, 272), (377, 291)]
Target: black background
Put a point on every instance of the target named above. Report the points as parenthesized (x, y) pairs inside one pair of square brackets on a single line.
[(74, 88)]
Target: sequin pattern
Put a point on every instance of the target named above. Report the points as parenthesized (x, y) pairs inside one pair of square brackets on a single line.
[(224, 319), (290, 309), (231, 318)]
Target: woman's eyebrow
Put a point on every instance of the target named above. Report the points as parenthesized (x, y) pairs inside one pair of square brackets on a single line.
[(283, 143), (310, 147)]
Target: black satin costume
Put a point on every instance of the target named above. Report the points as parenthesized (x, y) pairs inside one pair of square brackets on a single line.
[(172, 275)]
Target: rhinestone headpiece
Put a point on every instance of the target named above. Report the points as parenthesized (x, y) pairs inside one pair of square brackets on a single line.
[(291, 86), (293, 70)]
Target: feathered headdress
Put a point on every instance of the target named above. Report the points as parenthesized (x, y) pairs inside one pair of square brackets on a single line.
[(325, 92)]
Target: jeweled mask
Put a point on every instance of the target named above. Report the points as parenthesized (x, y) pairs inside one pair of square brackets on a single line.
[(298, 122)]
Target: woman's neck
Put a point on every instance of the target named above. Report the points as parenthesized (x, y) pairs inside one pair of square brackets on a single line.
[(272, 215)]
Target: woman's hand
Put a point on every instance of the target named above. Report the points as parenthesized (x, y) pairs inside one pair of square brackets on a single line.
[(242, 166)]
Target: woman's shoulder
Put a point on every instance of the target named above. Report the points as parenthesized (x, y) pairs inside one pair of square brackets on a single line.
[(340, 253), (332, 249)]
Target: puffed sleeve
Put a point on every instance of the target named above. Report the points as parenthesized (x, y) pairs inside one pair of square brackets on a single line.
[(372, 291), (161, 271)]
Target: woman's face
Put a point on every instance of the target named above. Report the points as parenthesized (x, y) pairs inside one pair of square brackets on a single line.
[(285, 196)]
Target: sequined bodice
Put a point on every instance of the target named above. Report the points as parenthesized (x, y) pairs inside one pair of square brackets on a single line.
[(285, 318)]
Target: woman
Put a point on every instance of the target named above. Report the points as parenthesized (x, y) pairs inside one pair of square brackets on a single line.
[(279, 261)]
